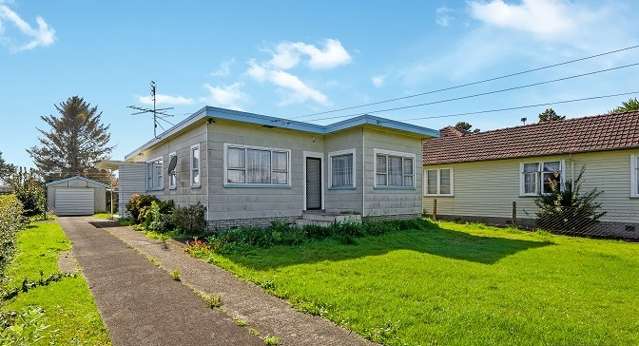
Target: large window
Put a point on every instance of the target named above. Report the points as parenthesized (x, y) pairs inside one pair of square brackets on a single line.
[(541, 177), (154, 177), (195, 165), (256, 165), (634, 176), (172, 172), (439, 182), (342, 169), (394, 169)]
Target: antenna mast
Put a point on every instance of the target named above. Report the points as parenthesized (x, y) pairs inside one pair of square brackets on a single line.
[(158, 113)]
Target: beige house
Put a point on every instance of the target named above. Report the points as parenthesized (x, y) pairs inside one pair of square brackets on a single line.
[(252, 169), (492, 175)]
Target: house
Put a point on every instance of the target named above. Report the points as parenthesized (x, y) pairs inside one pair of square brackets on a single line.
[(479, 176), (76, 196), (251, 169)]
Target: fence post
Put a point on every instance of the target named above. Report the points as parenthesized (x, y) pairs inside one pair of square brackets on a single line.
[(514, 217), (435, 209)]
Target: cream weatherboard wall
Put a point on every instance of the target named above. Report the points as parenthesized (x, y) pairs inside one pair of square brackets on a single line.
[(344, 199), (488, 188)]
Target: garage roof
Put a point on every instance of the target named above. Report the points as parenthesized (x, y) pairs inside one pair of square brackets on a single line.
[(77, 177)]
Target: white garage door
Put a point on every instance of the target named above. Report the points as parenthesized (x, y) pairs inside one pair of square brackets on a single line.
[(74, 202)]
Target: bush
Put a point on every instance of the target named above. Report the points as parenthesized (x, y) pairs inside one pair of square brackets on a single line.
[(158, 216), (190, 220), (29, 191), (11, 221), (137, 203)]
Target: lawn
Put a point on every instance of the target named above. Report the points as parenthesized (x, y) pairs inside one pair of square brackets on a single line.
[(68, 304), (459, 284)]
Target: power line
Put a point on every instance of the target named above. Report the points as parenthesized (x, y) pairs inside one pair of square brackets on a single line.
[(523, 106), (458, 86), (524, 86)]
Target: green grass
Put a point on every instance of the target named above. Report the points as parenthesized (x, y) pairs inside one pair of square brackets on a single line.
[(68, 304), (103, 216), (459, 284)]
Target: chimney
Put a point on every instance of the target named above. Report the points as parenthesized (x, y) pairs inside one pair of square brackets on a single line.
[(450, 131)]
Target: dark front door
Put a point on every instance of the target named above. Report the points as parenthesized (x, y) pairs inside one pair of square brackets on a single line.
[(313, 183)]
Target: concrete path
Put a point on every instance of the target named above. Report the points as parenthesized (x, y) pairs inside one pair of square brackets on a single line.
[(139, 302), (266, 313)]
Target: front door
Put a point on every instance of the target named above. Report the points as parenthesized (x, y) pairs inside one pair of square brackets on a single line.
[(313, 183)]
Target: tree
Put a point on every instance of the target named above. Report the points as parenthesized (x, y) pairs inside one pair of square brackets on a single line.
[(631, 105), (77, 139), (465, 128), (6, 169), (550, 115), (29, 190), (568, 210)]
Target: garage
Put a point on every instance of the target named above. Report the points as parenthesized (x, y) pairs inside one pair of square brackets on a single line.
[(76, 196)]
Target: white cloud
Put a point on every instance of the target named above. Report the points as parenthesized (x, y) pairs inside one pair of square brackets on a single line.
[(289, 54), (227, 96), (298, 90), (443, 16), (40, 36), (378, 81), (166, 100), (224, 69)]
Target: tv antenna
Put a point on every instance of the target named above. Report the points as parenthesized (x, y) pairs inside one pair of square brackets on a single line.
[(159, 114)]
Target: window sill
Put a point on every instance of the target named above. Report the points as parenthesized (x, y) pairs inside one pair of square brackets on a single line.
[(400, 188), (342, 188), (155, 190), (196, 186), (258, 186), (438, 195)]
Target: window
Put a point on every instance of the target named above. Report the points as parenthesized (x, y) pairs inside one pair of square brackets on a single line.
[(540, 177), (394, 169), (154, 177), (439, 182), (195, 165), (634, 176), (172, 172), (256, 165), (342, 169)]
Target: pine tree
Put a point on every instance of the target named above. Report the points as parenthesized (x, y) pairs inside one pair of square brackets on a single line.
[(630, 105), (465, 127), (550, 115), (77, 139), (6, 169)]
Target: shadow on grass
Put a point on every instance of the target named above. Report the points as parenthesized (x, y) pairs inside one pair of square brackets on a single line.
[(435, 241)]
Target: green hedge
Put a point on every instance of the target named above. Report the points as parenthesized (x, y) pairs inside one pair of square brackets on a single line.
[(11, 221)]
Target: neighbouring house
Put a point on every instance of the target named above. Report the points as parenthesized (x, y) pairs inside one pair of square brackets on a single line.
[(253, 169), (76, 196), (478, 177)]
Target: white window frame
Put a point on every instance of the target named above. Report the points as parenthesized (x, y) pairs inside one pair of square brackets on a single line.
[(439, 178), (634, 176), (540, 177), (330, 168), (320, 156), (168, 174), (272, 150), (149, 174), (199, 166), (388, 153)]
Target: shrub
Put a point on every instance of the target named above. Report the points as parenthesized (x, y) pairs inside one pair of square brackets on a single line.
[(29, 190), (138, 202), (190, 220), (568, 210), (158, 216), (11, 221)]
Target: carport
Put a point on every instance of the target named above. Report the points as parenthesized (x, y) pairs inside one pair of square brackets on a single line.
[(76, 196)]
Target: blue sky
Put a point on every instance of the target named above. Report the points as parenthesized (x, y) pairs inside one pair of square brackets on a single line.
[(290, 58)]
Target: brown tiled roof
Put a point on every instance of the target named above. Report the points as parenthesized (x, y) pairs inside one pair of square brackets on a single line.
[(594, 133)]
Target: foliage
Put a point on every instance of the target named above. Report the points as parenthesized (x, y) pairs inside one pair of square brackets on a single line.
[(466, 127), (272, 340), (550, 115), (10, 222), (24, 327), (631, 105), (6, 169), (30, 191), (77, 139), (136, 204), (190, 220), (28, 285), (568, 210), (238, 239), (211, 300), (175, 275), (196, 247), (159, 216)]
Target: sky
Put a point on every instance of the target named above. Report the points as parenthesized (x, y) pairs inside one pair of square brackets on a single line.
[(292, 58)]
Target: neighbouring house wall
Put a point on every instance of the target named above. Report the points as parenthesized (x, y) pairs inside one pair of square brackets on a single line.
[(488, 188), (99, 193), (380, 201), (344, 199), (238, 205), (131, 179)]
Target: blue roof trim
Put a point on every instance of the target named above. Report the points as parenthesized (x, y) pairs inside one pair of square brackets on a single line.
[(268, 121)]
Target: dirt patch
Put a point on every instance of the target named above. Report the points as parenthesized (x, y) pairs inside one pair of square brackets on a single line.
[(67, 263)]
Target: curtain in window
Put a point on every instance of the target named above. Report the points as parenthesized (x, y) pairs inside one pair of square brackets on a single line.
[(342, 167), (395, 176), (530, 177), (432, 182), (195, 166), (258, 166), (444, 181), (235, 165), (551, 176), (280, 167), (381, 170), (637, 175), (408, 172)]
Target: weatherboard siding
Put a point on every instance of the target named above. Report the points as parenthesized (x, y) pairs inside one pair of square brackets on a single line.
[(488, 188), (346, 199), (131, 177)]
